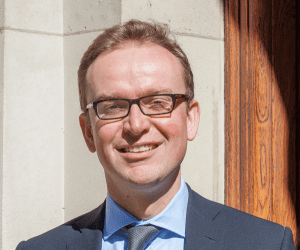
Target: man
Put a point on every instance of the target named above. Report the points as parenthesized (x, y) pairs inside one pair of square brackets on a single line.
[(136, 94)]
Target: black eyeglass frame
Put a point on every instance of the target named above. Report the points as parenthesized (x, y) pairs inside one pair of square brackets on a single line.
[(137, 102)]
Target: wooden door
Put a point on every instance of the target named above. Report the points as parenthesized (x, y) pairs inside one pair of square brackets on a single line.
[(262, 109)]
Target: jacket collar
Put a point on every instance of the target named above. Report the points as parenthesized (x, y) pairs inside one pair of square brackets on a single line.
[(204, 225)]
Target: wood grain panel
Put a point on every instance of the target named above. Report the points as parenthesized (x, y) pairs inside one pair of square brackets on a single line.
[(298, 119), (232, 99), (262, 109), (244, 110), (284, 162)]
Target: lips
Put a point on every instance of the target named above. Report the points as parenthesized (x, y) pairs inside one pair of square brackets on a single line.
[(138, 149)]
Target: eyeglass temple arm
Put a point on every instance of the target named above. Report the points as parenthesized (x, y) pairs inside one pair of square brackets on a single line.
[(90, 105)]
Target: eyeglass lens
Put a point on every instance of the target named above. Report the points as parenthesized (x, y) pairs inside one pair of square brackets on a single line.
[(151, 105)]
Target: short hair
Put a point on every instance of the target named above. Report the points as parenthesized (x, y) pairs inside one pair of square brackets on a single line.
[(139, 33)]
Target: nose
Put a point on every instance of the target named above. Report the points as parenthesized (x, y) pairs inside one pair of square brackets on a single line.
[(136, 123)]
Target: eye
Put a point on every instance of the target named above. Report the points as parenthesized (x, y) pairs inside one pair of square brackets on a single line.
[(112, 107), (159, 102), (109, 107)]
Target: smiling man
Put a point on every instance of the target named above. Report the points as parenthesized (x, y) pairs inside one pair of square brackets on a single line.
[(136, 94)]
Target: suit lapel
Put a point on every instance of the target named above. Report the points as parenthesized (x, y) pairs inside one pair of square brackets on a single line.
[(203, 229)]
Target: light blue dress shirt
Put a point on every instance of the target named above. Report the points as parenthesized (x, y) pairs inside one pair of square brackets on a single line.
[(171, 221)]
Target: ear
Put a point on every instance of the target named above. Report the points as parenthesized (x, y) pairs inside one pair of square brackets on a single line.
[(193, 119), (87, 132)]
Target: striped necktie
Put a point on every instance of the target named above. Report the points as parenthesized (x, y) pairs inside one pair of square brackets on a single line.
[(139, 235)]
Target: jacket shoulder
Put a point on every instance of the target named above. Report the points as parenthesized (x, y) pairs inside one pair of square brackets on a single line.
[(83, 232), (230, 216), (256, 232), (56, 238), (240, 230)]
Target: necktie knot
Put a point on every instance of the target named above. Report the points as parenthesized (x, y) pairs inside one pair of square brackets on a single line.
[(139, 235)]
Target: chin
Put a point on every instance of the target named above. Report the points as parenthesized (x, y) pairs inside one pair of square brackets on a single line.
[(144, 180), (141, 181)]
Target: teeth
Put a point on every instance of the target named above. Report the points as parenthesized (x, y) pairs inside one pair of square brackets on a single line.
[(139, 149)]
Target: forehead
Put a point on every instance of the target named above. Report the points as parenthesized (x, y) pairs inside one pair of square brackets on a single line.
[(135, 67)]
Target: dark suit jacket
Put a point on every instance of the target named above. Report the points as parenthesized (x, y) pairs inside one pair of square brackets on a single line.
[(209, 226)]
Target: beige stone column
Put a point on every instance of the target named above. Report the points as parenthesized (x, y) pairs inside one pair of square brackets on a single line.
[(1, 112), (33, 119)]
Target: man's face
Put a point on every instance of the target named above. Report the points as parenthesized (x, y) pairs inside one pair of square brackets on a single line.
[(133, 72)]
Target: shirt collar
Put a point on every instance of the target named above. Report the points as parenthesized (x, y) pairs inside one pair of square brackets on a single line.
[(171, 218)]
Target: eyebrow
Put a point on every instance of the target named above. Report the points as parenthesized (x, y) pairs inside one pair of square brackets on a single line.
[(116, 95)]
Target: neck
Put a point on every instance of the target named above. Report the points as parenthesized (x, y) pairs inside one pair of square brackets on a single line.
[(148, 200)]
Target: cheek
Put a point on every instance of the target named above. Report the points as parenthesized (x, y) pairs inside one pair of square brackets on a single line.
[(173, 129), (105, 135), (176, 128)]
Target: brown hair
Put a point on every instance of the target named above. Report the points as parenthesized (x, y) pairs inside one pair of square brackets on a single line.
[(138, 32)]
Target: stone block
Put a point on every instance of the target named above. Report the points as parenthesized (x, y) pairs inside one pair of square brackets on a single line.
[(1, 14), (195, 17), (1, 127), (36, 15), (90, 15), (33, 142)]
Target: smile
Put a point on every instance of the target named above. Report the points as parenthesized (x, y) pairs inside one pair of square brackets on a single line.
[(138, 149)]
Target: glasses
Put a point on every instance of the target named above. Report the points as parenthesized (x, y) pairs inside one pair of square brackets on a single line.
[(149, 105)]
